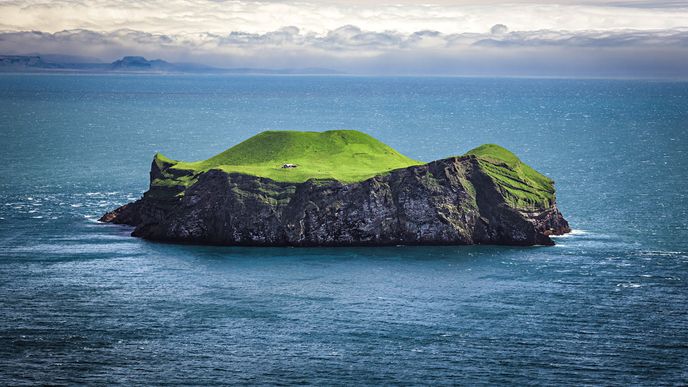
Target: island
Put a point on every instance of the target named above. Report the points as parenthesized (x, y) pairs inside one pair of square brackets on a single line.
[(343, 188), (55, 63)]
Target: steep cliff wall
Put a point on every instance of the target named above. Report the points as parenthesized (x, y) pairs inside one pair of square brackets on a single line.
[(470, 199)]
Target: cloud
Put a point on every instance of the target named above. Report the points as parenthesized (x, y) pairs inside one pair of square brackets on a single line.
[(353, 49), (449, 17), (499, 29), (464, 37), (591, 39)]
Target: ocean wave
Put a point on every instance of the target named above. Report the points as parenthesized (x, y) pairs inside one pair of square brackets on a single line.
[(628, 285), (92, 218), (110, 247), (573, 233), (661, 253)]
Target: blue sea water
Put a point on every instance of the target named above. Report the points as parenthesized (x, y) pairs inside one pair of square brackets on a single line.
[(82, 302)]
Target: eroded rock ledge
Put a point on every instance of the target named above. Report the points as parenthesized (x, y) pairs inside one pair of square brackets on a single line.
[(453, 201)]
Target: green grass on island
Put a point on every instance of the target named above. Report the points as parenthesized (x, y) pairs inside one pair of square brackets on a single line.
[(522, 186), (350, 156), (344, 155)]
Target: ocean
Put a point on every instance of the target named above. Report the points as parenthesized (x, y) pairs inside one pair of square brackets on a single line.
[(83, 302)]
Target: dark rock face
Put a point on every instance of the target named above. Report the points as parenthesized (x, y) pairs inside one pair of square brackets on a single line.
[(449, 201)]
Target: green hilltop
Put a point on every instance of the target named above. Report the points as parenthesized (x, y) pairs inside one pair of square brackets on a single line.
[(349, 156), (344, 155), (522, 186)]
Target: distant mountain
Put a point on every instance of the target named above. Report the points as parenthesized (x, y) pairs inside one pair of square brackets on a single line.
[(20, 61), (140, 63), (61, 58), (128, 64)]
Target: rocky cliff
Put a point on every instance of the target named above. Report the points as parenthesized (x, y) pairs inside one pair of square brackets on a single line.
[(471, 199)]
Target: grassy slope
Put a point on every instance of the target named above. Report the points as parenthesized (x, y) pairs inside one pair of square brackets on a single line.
[(344, 155), (522, 186), (351, 156)]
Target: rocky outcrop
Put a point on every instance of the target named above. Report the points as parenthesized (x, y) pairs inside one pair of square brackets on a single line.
[(449, 201)]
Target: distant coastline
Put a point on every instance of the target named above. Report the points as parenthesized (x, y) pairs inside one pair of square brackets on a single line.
[(132, 65)]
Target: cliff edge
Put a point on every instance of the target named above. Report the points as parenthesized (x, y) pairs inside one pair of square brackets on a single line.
[(343, 188)]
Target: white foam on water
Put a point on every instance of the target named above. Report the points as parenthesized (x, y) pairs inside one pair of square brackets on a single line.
[(573, 233), (628, 285), (92, 218), (661, 253)]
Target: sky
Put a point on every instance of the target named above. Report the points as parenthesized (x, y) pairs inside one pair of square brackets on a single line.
[(593, 38)]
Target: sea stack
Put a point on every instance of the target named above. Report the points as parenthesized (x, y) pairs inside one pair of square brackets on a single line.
[(343, 188)]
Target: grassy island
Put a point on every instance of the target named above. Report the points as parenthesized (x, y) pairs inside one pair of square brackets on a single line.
[(343, 188), (348, 156)]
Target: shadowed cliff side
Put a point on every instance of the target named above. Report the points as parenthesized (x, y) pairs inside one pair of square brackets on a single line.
[(485, 197)]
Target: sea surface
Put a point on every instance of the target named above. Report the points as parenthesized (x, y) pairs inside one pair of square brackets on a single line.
[(83, 302)]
